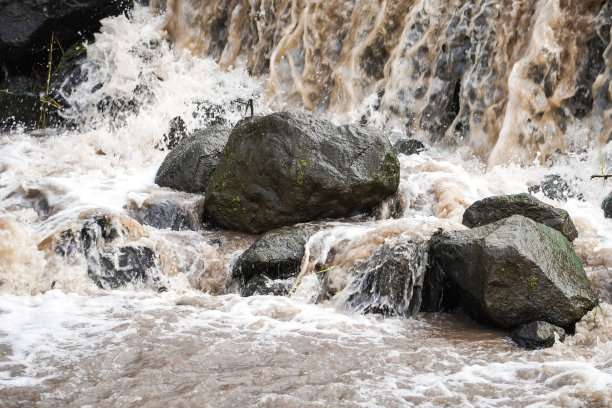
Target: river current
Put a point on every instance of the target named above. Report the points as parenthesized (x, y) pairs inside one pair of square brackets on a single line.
[(65, 342)]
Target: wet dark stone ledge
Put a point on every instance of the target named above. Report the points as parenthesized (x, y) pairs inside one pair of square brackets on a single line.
[(28, 31)]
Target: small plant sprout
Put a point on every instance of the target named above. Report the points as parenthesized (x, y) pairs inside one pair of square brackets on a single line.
[(532, 284), (298, 283)]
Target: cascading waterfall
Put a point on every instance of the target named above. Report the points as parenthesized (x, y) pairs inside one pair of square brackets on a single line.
[(511, 81), (505, 95)]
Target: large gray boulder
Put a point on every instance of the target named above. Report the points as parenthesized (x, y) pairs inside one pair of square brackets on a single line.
[(509, 273), (277, 254), (189, 166), (495, 208), (291, 167)]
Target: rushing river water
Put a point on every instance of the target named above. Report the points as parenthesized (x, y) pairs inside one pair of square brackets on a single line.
[(65, 342)]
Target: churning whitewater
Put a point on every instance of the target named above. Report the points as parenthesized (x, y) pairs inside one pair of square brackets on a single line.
[(185, 336)]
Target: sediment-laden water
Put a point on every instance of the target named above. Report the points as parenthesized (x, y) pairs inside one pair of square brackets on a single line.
[(504, 94)]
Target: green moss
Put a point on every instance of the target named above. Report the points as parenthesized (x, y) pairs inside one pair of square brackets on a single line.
[(532, 284)]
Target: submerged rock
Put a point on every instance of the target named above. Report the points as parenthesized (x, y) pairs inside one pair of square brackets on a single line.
[(177, 131), (122, 265), (292, 167), (262, 285), (109, 264), (408, 146), (495, 208), (277, 254), (189, 166), (509, 273), (537, 335), (606, 205), (554, 187), (167, 213), (390, 281)]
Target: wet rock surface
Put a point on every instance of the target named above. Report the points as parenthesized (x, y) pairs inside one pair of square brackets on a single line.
[(492, 209), (408, 146), (26, 27), (537, 335), (189, 166), (291, 167), (390, 281), (277, 254), (606, 205), (508, 273), (554, 187), (168, 212), (110, 265), (262, 285)]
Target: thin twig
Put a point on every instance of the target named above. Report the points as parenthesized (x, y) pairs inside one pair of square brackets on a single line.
[(603, 176)]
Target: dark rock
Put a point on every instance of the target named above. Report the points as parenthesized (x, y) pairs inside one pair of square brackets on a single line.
[(390, 281), (492, 209), (606, 205), (408, 146), (27, 26), (109, 265), (169, 214), (189, 166), (176, 132), (509, 273), (19, 109), (262, 285), (291, 167), (537, 335), (68, 73), (554, 187), (277, 254), (123, 265)]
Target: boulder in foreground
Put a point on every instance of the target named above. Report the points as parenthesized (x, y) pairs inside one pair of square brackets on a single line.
[(509, 273), (495, 208), (292, 167)]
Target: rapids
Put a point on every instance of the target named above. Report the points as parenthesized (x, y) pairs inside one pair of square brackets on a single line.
[(503, 94)]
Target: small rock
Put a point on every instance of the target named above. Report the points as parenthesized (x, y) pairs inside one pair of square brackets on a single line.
[(120, 266), (277, 254), (495, 208), (177, 131), (262, 285), (537, 335), (554, 187), (108, 264), (169, 214), (408, 146), (606, 205)]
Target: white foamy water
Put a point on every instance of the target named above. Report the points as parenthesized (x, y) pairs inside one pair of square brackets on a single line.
[(199, 344)]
